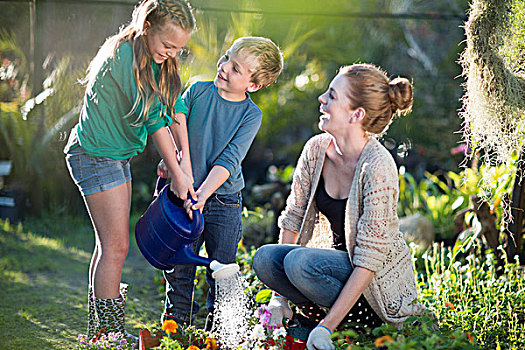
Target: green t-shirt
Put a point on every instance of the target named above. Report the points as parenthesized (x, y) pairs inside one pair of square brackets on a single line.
[(106, 126)]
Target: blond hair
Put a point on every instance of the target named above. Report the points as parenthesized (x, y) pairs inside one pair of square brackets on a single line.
[(158, 13), (267, 55), (370, 88)]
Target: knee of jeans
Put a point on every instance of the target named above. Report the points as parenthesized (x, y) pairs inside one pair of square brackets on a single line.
[(258, 260), (262, 263), (297, 263)]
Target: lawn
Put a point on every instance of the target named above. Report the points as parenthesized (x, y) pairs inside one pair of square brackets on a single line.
[(43, 279)]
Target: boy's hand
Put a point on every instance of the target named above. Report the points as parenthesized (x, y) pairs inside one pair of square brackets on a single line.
[(198, 205)]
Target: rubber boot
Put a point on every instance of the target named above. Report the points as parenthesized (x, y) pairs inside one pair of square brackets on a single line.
[(123, 293), (92, 327), (110, 313)]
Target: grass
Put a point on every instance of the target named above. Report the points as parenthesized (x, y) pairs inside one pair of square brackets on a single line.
[(43, 283), (43, 280)]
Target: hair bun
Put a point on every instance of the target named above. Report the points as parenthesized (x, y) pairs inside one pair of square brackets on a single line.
[(400, 92)]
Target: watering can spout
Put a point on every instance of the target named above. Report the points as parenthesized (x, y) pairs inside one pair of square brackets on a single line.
[(223, 271), (186, 256)]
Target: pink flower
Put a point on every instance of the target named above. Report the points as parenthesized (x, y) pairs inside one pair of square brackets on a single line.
[(263, 314), (463, 148)]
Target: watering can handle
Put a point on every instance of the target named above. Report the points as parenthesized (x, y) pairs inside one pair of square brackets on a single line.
[(161, 182)]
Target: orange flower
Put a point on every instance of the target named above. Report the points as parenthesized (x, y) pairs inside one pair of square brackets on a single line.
[(170, 326), (450, 305), (469, 337), (211, 343), (192, 347), (379, 342)]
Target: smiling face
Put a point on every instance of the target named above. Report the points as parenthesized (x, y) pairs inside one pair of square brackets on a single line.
[(335, 106), (234, 75), (166, 42)]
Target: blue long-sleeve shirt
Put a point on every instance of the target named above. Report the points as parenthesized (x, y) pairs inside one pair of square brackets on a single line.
[(220, 132)]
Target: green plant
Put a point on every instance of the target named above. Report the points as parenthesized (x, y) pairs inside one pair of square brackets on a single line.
[(33, 133), (437, 199), (175, 337), (447, 199), (476, 296), (417, 333), (257, 225)]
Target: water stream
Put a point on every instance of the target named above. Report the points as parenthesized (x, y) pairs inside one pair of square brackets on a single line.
[(232, 311)]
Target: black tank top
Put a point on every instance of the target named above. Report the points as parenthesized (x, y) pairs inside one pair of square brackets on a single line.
[(334, 210)]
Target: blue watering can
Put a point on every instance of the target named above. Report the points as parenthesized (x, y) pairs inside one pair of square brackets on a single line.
[(165, 235)]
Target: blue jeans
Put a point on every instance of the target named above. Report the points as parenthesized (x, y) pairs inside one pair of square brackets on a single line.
[(94, 174), (221, 236), (303, 274)]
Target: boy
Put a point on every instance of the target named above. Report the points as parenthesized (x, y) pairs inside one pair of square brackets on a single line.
[(222, 122)]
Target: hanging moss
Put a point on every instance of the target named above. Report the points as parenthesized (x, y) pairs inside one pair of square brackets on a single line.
[(494, 69)]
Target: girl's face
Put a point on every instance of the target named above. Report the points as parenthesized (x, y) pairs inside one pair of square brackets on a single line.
[(335, 105), (166, 42)]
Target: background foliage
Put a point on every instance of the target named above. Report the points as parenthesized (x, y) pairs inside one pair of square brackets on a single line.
[(316, 39)]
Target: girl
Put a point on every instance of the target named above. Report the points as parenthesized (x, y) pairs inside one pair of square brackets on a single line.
[(132, 91), (347, 176)]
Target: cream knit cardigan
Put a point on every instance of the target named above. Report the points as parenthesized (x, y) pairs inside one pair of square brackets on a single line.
[(373, 239)]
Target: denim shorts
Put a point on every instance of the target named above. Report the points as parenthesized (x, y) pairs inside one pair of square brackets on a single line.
[(94, 174)]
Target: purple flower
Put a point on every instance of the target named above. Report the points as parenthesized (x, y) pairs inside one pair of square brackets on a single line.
[(263, 314)]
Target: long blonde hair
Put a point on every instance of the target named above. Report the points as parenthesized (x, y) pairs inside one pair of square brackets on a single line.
[(158, 13)]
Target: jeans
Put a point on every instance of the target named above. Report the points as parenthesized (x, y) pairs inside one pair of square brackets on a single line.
[(221, 236), (94, 174), (303, 274)]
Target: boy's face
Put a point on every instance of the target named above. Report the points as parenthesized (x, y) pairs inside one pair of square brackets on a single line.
[(234, 74)]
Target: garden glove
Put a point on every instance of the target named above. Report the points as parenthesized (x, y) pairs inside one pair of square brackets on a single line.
[(280, 309), (319, 339)]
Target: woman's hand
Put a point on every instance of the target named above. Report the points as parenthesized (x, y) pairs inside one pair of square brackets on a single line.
[(319, 339), (280, 310)]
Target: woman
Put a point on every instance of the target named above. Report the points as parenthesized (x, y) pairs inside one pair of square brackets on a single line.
[(346, 176)]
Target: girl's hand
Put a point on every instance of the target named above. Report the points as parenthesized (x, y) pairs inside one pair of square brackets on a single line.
[(162, 170), (185, 164), (182, 185)]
